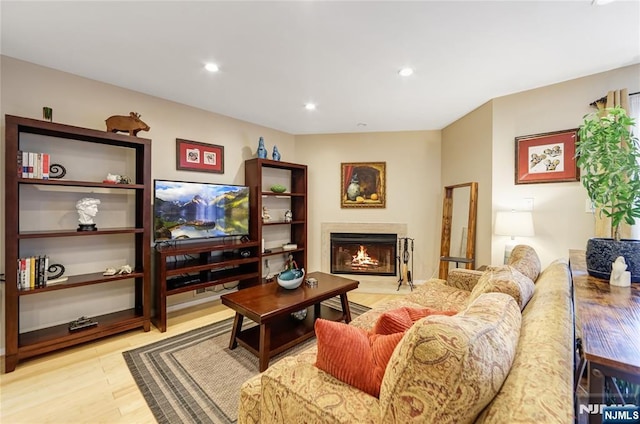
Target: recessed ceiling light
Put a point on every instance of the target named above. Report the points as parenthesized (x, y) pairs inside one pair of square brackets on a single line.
[(405, 72), (361, 124), (211, 67), (310, 106), (601, 2)]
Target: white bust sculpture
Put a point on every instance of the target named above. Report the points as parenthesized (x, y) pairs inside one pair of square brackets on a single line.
[(87, 208), (619, 275)]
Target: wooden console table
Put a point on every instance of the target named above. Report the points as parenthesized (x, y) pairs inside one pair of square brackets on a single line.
[(608, 318)]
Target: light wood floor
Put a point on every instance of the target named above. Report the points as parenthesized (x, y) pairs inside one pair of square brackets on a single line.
[(91, 383)]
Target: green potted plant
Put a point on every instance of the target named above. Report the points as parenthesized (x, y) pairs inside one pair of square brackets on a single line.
[(608, 154)]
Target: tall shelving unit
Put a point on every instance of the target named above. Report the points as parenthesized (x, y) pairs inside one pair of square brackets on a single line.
[(260, 175), (22, 345)]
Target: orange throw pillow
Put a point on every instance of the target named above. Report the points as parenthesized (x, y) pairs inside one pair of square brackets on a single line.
[(401, 319), (354, 356)]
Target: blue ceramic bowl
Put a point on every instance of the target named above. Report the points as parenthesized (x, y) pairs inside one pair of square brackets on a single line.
[(291, 278)]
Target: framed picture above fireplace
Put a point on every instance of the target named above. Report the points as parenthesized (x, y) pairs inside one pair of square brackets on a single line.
[(363, 185)]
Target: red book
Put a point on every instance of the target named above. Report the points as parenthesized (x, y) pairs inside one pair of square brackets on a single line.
[(45, 166)]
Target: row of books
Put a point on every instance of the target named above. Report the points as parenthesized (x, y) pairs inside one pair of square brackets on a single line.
[(33, 165), (32, 272)]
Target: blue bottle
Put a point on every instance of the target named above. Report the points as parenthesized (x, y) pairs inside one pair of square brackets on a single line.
[(262, 151), (276, 153)]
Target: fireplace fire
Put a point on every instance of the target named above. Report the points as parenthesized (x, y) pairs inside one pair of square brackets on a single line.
[(364, 254)]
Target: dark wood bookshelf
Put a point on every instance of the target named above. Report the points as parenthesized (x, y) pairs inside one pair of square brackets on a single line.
[(296, 193), (18, 345)]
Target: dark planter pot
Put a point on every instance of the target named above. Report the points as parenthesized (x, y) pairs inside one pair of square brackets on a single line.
[(602, 252)]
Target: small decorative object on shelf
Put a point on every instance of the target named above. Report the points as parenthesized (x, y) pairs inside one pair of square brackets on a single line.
[(619, 275), (47, 114), (278, 188), (311, 282), (288, 216), (245, 253), (289, 246), (87, 208), (124, 269), (262, 151), (276, 154), (291, 263), (82, 322), (299, 315), (131, 124), (117, 179), (265, 214), (55, 272), (57, 171)]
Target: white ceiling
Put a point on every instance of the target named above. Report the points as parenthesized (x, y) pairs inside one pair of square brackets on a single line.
[(344, 56)]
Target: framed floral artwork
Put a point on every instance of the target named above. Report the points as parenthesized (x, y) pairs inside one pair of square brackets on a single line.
[(202, 157), (363, 185), (547, 158)]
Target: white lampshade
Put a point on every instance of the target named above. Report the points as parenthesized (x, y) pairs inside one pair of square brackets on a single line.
[(514, 224)]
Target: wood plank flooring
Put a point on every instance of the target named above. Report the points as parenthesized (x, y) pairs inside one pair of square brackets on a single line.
[(92, 384)]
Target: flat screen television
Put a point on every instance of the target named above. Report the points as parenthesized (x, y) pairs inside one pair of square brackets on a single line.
[(191, 210)]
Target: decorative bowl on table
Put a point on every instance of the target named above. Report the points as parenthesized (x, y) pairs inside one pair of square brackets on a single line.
[(291, 278), (278, 188)]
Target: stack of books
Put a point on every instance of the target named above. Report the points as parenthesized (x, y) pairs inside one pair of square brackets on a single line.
[(33, 165), (32, 272)]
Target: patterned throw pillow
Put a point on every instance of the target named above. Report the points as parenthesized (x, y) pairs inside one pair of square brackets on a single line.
[(525, 259), (504, 279), (353, 355)]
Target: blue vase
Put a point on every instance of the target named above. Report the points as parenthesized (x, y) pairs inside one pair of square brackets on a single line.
[(276, 154), (262, 151)]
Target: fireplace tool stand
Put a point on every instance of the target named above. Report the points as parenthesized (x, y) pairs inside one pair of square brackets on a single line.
[(403, 262)]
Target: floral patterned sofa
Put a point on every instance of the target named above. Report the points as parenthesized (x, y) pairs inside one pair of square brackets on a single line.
[(505, 357)]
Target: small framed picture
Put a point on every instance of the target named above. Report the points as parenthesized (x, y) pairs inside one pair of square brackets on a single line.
[(547, 158), (363, 185), (197, 156)]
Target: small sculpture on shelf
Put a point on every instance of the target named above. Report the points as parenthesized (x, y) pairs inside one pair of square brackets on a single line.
[(288, 216), (265, 215), (117, 179), (87, 208), (619, 275), (131, 124), (262, 151), (276, 154), (291, 263), (124, 269)]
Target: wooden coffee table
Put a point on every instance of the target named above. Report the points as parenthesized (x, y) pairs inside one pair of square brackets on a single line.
[(271, 306)]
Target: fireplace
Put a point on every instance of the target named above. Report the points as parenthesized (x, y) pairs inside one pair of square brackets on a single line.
[(363, 253)]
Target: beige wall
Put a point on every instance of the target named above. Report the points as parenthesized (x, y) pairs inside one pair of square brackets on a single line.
[(413, 186), (466, 157), (560, 220)]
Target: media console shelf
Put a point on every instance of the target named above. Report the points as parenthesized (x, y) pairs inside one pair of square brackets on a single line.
[(183, 267), (40, 219)]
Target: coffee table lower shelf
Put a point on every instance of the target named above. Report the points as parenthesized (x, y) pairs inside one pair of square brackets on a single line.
[(286, 332)]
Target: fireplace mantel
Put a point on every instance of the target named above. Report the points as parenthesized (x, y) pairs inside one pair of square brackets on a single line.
[(326, 228)]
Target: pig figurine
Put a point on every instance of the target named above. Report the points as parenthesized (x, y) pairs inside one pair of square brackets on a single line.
[(131, 124)]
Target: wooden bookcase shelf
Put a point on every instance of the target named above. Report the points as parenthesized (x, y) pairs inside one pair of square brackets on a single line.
[(258, 175), (30, 343), (184, 267)]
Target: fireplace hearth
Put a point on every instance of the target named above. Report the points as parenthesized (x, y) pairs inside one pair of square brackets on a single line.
[(363, 253)]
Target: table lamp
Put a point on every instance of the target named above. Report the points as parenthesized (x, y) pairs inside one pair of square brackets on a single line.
[(512, 223)]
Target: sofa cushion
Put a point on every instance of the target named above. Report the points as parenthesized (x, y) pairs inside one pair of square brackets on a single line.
[(525, 259), (504, 279), (353, 355), (401, 319), (438, 295), (446, 369)]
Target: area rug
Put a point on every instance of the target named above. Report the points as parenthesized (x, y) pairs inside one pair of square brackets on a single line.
[(195, 378)]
